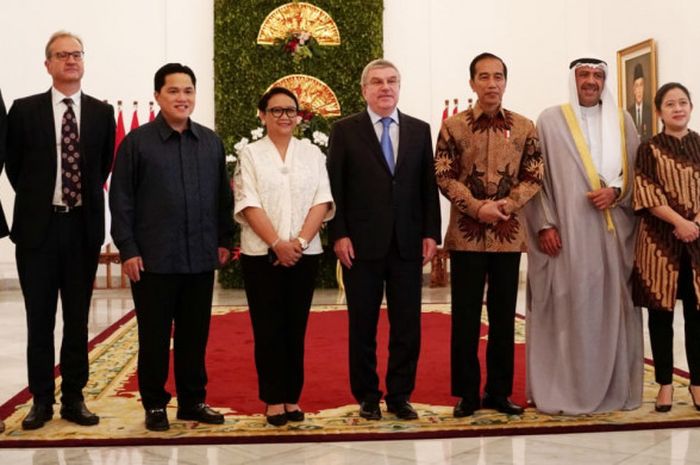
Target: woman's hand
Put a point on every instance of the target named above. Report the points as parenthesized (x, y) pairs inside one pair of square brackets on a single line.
[(686, 230), (288, 252)]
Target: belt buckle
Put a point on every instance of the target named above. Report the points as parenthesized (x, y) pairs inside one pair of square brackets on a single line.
[(61, 209)]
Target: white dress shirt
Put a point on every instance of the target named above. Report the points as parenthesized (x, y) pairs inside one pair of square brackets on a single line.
[(285, 189)]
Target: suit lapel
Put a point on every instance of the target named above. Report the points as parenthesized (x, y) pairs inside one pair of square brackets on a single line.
[(48, 128), (370, 137), (404, 133), (85, 118)]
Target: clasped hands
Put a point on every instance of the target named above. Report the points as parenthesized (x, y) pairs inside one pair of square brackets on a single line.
[(686, 230), (288, 252), (602, 198), (493, 211)]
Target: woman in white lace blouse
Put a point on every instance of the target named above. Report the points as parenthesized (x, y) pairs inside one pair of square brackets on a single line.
[(282, 196)]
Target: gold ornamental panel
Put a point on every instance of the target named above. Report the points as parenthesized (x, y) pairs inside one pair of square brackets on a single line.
[(299, 17), (313, 94)]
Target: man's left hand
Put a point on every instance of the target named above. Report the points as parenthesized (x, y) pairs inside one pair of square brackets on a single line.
[(224, 255), (429, 249), (602, 198)]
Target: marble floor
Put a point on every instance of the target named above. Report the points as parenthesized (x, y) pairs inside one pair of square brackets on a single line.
[(657, 447)]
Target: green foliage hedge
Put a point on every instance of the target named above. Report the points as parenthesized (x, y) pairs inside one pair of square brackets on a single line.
[(243, 70)]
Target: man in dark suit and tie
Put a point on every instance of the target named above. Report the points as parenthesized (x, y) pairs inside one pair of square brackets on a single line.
[(387, 226), (59, 152), (640, 108)]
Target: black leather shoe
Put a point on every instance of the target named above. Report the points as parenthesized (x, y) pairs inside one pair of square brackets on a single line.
[(370, 410), (201, 413), (294, 415), (279, 419), (79, 413), (157, 419), (37, 416), (502, 404), (403, 410), (463, 409), (663, 408)]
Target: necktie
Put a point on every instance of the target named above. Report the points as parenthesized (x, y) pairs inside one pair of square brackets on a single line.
[(70, 156), (639, 117), (387, 147)]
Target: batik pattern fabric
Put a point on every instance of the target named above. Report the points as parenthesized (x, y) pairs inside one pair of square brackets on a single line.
[(667, 173), (482, 157)]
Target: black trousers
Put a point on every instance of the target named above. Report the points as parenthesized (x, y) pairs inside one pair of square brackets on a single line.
[(163, 300), (364, 287), (279, 299), (661, 330), (469, 272), (63, 265)]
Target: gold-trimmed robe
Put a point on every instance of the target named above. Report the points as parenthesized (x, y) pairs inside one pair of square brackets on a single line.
[(584, 335)]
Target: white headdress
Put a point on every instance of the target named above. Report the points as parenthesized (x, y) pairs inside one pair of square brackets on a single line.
[(610, 120)]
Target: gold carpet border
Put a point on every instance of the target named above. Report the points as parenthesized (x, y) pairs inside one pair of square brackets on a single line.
[(114, 360)]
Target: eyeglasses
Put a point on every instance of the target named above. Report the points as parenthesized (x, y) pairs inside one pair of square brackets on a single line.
[(63, 56), (291, 112), (377, 82)]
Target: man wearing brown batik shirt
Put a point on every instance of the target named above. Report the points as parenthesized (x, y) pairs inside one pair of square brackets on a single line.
[(488, 165)]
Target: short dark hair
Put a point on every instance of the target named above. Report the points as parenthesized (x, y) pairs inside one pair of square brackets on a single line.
[(484, 56), (663, 90), (171, 68), (265, 99)]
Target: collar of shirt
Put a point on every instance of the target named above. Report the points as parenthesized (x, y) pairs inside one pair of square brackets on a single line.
[(375, 117), (57, 99), (166, 131), (479, 113)]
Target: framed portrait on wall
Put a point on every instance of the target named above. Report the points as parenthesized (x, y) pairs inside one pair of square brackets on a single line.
[(636, 75)]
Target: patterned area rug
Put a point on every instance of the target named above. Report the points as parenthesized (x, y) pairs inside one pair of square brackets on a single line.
[(112, 393)]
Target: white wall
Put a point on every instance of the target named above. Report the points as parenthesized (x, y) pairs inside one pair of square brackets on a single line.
[(432, 42)]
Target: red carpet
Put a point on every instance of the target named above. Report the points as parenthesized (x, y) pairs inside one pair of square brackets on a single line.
[(233, 379), (112, 391)]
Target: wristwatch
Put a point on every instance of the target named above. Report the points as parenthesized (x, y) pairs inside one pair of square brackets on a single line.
[(303, 243)]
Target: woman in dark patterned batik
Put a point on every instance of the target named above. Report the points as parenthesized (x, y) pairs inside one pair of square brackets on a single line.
[(667, 256)]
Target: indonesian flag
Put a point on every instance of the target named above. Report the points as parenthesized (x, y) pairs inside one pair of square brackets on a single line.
[(119, 135), (135, 117), (446, 111), (151, 113)]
